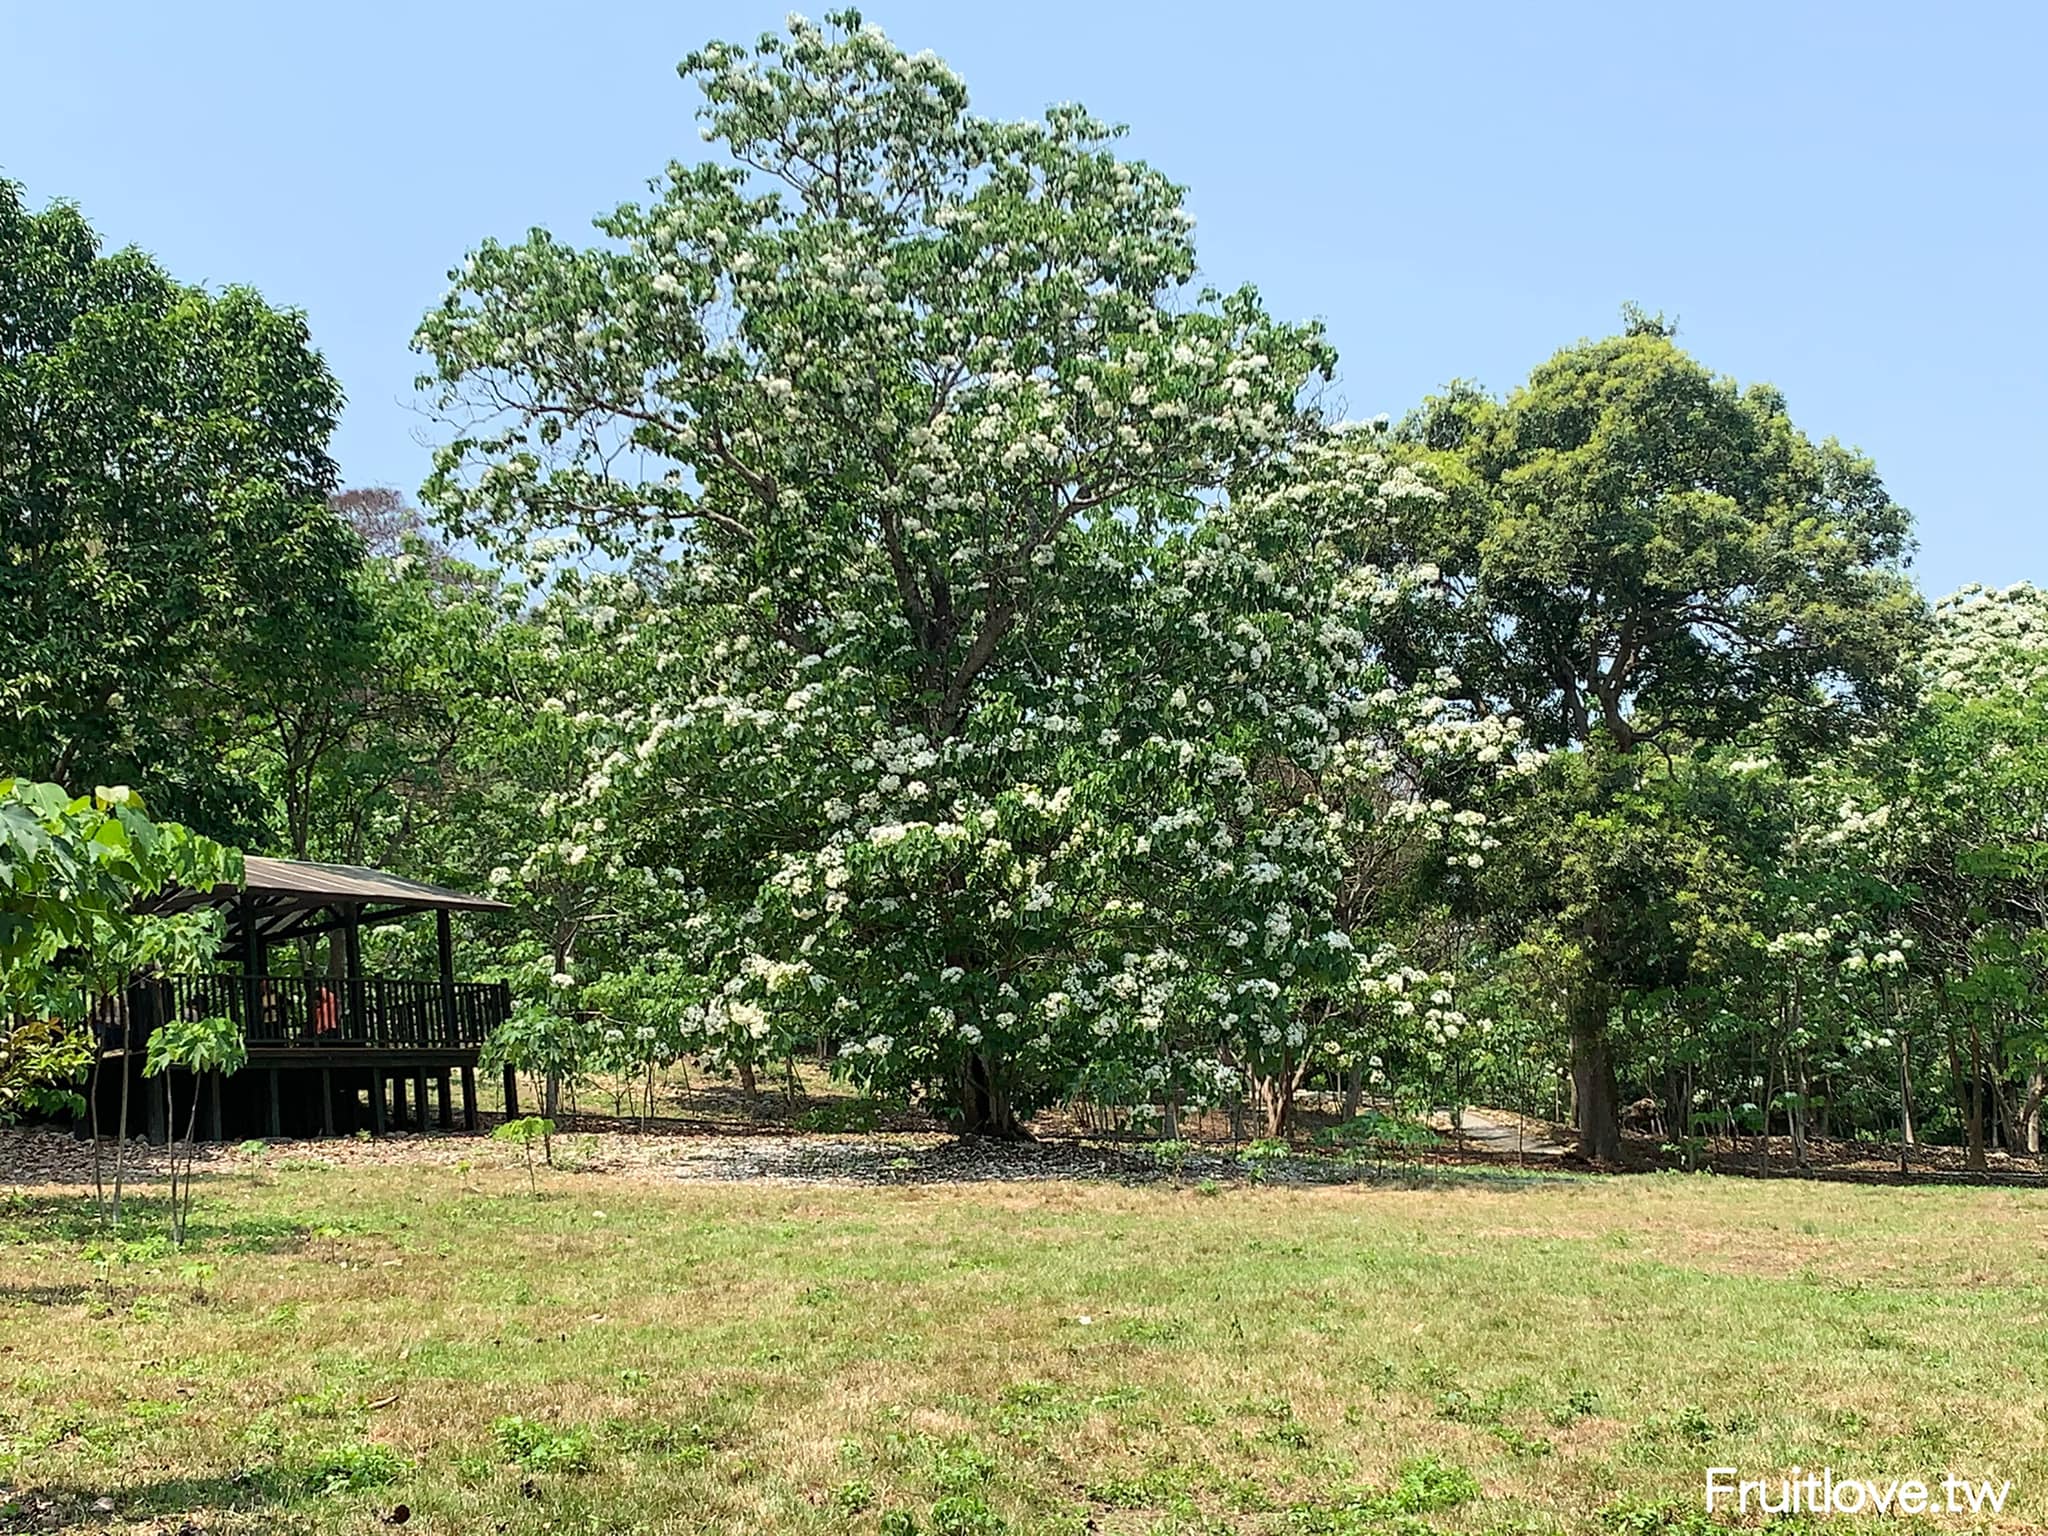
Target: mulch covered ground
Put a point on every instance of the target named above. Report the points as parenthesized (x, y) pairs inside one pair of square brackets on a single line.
[(723, 1150)]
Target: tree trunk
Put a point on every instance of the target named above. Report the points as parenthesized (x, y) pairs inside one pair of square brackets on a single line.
[(127, 1069), (1675, 1107), (181, 1193), (1969, 1100), (1275, 1094), (1763, 1141), (984, 1103), (1797, 1086), (92, 1103), (1905, 1104), (1596, 1097), (1975, 1158)]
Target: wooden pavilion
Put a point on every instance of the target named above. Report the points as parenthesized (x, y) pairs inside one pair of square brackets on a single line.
[(331, 1051)]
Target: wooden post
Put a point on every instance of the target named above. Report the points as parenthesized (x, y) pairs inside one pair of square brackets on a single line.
[(276, 1117), (419, 1098), (213, 1121), (252, 986), (447, 1106), (444, 933), (327, 1101), (398, 1110), (352, 952), (377, 1100), (511, 1094), (469, 1098)]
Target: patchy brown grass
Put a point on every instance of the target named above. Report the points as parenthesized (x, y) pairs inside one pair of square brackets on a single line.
[(1046, 1358)]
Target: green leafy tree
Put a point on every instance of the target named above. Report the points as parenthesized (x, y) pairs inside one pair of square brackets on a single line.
[(358, 757), (1954, 813), (203, 1047), (163, 475), (1642, 559), (72, 873)]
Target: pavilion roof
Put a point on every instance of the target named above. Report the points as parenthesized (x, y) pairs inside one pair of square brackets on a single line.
[(291, 898)]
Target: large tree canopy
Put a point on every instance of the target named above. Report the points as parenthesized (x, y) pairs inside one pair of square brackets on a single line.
[(1639, 554), (912, 395), (163, 475), (1644, 549)]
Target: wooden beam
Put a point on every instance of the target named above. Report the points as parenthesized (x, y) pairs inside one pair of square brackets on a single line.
[(511, 1094), (447, 1104), (377, 1101), (213, 1119), (276, 1116), (469, 1098), (419, 1098), (327, 1101)]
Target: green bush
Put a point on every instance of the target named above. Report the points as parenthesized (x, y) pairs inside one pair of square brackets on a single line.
[(1424, 1485), (537, 1447), (347, 1468), (843, 1117), (966, 1514)]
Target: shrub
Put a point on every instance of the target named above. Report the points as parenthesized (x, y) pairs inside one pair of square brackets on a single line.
[(1425, 1484), (347, 1468), (1261, 1157), (966, 1514), (841, 1117), (537, 1447), (526, 1132)]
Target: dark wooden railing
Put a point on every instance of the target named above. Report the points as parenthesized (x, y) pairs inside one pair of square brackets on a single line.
[(321, 1012)]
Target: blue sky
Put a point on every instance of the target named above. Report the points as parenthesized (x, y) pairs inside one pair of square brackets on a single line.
[(1849, 201)]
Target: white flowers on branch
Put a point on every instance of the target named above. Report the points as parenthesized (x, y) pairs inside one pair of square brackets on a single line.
[(1017, 698)]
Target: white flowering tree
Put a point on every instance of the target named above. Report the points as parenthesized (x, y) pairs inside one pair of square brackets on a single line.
[(1903, 938), (1287, 801), (1962, 801), (910, 397)]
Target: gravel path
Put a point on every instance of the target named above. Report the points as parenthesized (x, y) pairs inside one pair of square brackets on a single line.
[(45, 1156)]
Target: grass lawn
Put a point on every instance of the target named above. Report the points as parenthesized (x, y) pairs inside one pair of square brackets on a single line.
[(1469, 1353)]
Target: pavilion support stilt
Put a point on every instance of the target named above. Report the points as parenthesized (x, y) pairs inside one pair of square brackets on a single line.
[(511, 1094), (326, 1101), (419, 1099), (158, 1118), (447, 1106), (276, 1112), (469, 1098), (399, 1113), (214, 1132), (377, 1101)]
